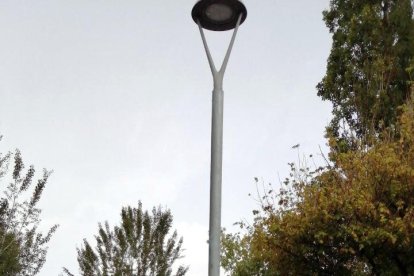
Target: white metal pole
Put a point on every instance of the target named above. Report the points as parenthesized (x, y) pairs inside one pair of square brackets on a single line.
[(216, 155)]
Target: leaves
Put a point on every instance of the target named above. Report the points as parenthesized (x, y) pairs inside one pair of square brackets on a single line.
[(23, 247), (139, 246), (367, 78), (353, 218)]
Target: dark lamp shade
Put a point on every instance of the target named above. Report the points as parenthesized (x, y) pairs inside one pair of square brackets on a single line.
[(218, 15)]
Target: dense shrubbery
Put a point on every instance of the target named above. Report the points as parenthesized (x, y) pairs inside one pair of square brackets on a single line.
[(354, 217)]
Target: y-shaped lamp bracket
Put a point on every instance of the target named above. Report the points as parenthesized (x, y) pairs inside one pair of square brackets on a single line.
[(219, 75)]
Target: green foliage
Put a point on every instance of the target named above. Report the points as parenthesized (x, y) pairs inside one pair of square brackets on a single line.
[(23, 248), (240, 258), (9, 257), (355, 217), (139, 246), (366, 78)]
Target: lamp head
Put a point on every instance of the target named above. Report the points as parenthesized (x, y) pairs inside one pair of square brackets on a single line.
[(218, 15)]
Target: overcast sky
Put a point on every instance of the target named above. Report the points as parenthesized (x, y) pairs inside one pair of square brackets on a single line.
[(115, 97)]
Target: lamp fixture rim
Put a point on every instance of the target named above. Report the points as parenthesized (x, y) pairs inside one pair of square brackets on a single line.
[(199, 14)]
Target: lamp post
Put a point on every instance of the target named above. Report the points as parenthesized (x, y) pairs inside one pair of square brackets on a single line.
[(217, 15)]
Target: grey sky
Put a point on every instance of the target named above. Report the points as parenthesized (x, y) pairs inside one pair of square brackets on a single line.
[(115, 97)]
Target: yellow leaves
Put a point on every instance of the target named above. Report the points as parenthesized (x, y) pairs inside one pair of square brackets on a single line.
[(363, 205), (320, 236), (354, 236), (407, 124), (393, 239), (383, 210)]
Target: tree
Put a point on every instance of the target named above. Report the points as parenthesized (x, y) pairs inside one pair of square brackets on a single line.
[(366, 78), (23, 247), (139, 246), (240, 258), (355, 217)]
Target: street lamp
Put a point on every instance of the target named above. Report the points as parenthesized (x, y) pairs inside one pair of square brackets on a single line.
[(217, 15)]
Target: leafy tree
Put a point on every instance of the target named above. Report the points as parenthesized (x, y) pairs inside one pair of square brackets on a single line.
[(23, 247), (139, 246), (355, 217), (239, 257), (366, 78)]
